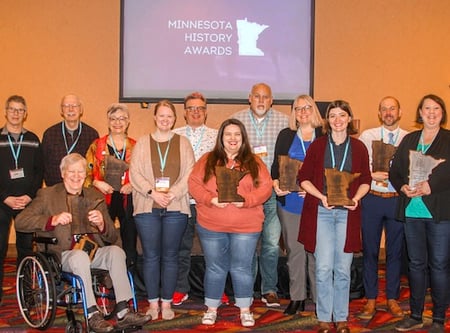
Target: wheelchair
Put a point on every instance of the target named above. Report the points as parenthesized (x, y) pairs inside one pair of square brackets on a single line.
[(42, 287)]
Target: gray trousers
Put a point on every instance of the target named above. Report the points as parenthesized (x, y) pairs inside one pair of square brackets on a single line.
[(111, 258), (301, 264)]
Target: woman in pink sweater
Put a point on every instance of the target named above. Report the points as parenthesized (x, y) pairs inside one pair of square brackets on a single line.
[(229, 231)]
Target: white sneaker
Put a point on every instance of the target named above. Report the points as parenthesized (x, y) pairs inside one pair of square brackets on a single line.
[(247, 319), (209, 318)]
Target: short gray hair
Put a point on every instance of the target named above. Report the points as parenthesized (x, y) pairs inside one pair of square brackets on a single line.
[(71, 159)]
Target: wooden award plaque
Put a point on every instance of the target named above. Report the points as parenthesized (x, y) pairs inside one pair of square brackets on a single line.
[(227, 184), (288, 168), (338, 183), (382, 154), (79, 207), (114, 171)]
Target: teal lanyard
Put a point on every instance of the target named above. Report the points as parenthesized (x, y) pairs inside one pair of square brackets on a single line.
[(423, 147), (189, 133), (163, 160), (14, 152), (63, 129), (300, 136), (333, 159), (116, 152), (259, 131)]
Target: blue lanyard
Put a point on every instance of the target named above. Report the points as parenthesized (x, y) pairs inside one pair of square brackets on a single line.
[(395, 135), (333, 159), (63, 129), (14, 152), (189, 133), (259, 131), (116, 152), (163, 160), (300, 136)]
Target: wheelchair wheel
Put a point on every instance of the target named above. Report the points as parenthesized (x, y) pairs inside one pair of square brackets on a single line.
[(35, 290), (74, 327)]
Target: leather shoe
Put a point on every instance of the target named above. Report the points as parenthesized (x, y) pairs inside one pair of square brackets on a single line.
[(342, 327), (98, 324), (324, 327), (369, 310), (294, 306), (394, 308)]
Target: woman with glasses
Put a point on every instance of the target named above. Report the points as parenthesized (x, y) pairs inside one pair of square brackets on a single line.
[(108, 160), (305, 125)]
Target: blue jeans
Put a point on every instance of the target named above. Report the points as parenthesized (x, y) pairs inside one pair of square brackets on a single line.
[(228, 253), (379, 213), (160, 232), (270, 239), (333, 265), (429, 253), (184, 255)]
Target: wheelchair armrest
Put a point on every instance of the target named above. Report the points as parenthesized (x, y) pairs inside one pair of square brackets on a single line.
[(45, 240)]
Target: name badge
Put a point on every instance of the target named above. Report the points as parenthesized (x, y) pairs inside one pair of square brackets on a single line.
[(162, 184), (260, 150), (16, 173)]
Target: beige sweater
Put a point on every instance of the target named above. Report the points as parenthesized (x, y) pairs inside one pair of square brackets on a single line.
[(142, 177)]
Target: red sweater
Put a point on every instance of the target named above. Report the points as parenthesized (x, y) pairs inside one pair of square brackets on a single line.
[(230, 219)]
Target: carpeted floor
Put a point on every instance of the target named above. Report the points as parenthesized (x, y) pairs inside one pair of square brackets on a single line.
[(188, 315)]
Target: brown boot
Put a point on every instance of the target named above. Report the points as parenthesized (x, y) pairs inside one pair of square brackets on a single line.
[(324, 327), (394, 308), (342, 327), (369, 309)]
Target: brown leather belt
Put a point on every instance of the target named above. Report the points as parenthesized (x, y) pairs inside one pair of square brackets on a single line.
[(384, 194)]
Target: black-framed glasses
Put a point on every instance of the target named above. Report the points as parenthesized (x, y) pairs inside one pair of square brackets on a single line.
[(14, 110), (196, 108), (305, 108), (120, 119)]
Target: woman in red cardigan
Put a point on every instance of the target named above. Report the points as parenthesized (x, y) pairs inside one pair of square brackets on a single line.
[(332, 233)]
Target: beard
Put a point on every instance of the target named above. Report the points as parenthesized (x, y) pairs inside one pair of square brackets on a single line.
[(260, 112), (389, 121)]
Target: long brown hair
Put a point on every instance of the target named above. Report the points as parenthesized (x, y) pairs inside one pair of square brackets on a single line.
[(245, 157)]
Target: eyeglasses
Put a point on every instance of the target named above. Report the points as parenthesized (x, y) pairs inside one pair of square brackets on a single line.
[(14, 110), (305, 108), (196, 108), (68, 106), (120, 119)]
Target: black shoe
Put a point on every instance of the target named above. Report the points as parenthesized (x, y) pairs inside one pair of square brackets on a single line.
[(294, 306), (133, 319), (98, 324), (408, 324)]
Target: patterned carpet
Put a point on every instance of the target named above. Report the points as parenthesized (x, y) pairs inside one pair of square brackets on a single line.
[(188, 315)]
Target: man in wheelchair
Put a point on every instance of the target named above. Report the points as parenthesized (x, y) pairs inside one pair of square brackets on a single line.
[(79, 219)]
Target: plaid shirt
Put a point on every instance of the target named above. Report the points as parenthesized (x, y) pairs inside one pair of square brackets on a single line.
[(273, 123), (54, 148)]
